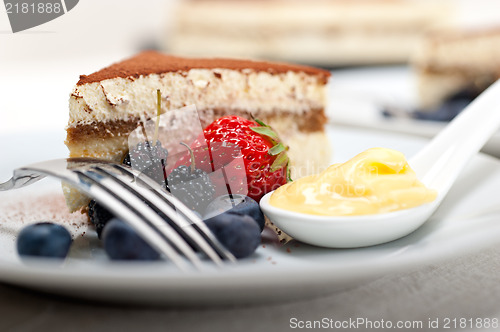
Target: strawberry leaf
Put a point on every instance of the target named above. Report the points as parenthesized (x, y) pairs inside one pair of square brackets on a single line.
[(266, 131), (288, 175), (280, 162), (260, 122), (277, 149)]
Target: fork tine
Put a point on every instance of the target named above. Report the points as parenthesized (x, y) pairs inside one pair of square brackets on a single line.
[(133, 199), (123, 210), (186, 222)]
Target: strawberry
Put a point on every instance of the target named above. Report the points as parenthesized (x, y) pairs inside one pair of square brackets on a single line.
[(210, 156), (243, 157)]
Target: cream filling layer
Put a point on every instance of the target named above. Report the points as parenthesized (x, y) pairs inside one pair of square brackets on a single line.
[(126, 98)]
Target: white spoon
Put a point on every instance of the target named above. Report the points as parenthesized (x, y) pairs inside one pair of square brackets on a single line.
[(437, 165)]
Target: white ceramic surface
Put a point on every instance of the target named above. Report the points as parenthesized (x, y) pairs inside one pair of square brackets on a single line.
[(466, 221)]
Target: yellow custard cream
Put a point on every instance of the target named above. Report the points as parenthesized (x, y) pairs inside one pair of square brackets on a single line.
[(376, 181)]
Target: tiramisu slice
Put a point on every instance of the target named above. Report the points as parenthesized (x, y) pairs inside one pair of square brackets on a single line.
[(456, 63), (107, 105)]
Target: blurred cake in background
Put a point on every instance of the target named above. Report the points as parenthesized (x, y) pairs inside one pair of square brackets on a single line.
[(328, 33), (456, 65)]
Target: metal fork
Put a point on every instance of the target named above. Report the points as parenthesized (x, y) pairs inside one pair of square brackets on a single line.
[(157, 216)]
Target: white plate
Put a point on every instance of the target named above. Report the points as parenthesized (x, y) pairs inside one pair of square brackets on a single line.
[(358, 95), (466, 222)]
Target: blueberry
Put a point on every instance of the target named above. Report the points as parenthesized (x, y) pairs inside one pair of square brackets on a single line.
[(238, 204), (470, 92), (445, 112), (121, 242), (99, 216), (240, 234), (44, 239)]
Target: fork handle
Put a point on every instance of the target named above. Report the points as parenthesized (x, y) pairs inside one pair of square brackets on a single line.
[(21, 179)]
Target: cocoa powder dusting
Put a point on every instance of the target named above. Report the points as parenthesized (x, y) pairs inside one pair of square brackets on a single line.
[(152, 62), (47, 207)]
